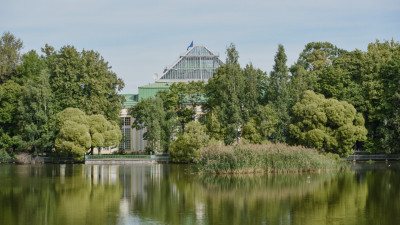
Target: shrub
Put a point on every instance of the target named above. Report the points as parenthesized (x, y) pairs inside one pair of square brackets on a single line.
[(186, 148), (4, 157)]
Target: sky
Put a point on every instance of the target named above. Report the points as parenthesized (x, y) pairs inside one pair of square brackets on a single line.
[(141, 38)]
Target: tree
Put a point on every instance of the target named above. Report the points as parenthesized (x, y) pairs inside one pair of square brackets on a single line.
[(327, 124), (84, 80), (103, 133), (73, 136), (261, 126), (389, 130), (149, 114), (278, 93), (315, 57), (30, 67), (10, 48), (225, 91), (182, 99), (375, 90), (77, 132), (254, 90), (10, 92), (301, 80), (36, 110), (186, 148)]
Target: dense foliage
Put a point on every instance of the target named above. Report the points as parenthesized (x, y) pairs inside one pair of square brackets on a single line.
[(187, 147), (78, 132), (35, 88), (355, 105), (237, 104), (327, 124)]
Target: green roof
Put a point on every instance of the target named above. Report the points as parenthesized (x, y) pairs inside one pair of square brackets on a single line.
[(162, 85), (130, 99), (150, 90)]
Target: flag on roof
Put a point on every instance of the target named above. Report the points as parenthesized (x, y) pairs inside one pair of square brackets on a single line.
[(191, 45)]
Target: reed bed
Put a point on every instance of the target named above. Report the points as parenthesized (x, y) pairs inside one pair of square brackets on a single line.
[(269, 158)]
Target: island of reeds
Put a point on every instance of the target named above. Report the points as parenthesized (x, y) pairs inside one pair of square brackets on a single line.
[(267, 158)]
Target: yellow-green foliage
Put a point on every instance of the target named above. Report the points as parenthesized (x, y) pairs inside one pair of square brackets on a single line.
[(78, 132), (186, 148), (277, 158), (73, 136), (326, 124)]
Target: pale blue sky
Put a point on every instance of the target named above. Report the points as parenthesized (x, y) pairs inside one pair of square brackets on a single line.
[(140, 38)]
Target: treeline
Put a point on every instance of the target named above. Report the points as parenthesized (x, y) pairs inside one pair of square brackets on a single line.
[(35, 89), (330, 99)]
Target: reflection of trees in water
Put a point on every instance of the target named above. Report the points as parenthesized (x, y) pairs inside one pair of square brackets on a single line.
[(180, 197), (54, 194), (172, 194), (383, 197), (262, 198)]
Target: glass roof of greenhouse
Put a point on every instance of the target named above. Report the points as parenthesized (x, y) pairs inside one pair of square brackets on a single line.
[(198, 63)]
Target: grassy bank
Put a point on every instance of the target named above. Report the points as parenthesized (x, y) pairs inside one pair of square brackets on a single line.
[(270, 158)]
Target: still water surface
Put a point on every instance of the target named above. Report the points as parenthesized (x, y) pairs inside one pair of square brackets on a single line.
[(173, 194)]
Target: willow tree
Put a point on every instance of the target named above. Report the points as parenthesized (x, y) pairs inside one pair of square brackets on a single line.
[(326, 124), (73, 137), (103, 133), (79, 133)]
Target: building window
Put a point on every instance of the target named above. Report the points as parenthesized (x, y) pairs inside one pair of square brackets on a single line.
[(125, 143), (127, 121)]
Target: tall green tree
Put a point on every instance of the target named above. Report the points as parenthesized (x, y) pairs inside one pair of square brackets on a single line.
[(317, 55), (374, 87), (10, 92), (312, 62), (389, 130), (278, 93), (30, 67), (225, 91), (149, 114), (85, 80), (254, 90), (182, 99), (10, 55), (35, 113)]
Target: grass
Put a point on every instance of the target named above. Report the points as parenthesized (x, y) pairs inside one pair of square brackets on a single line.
[(270, 158)]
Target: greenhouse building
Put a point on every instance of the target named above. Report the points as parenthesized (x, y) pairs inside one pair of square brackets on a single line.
[(197, 64)]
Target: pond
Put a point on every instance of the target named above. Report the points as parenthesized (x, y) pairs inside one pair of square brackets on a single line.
[(174, 194)]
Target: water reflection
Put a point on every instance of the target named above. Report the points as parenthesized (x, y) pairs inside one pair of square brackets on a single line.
[(174, 194)]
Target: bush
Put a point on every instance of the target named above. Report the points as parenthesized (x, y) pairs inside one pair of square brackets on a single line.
[(277, 158), (186, 148), (4, 157)]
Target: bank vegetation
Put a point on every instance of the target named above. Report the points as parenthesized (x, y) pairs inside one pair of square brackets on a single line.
[(266, 158)]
